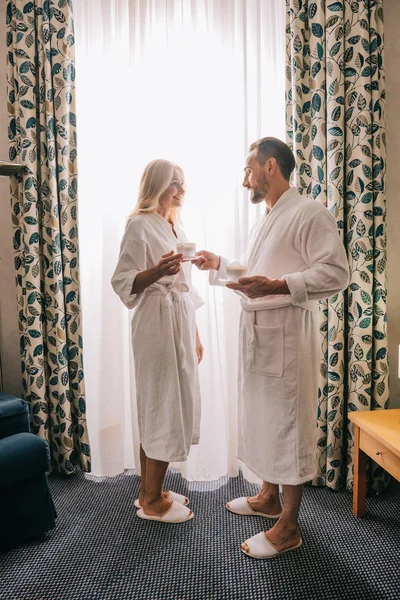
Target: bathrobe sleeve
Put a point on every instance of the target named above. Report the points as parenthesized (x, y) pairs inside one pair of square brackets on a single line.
[(323, 251), (194, 294), (219, 277), (131, 261), (216, 276), (196, 298)]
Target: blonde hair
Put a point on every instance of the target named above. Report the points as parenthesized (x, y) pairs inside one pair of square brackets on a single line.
[(155, 180)]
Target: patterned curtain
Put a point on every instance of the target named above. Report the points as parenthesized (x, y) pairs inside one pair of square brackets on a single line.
[(335, 103), (42, 134)]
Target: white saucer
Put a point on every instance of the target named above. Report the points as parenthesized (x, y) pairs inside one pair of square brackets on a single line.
[(225, 281), (193, 259)]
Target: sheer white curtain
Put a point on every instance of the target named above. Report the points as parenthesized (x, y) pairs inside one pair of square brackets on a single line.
[(193, 81)]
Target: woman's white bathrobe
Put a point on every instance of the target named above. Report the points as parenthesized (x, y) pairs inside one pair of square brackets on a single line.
[(163, 339), (297, 240)]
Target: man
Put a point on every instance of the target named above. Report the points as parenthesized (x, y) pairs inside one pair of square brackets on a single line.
[(295, 258)]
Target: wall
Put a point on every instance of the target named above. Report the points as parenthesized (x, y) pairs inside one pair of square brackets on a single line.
[(392, 61), (9, 337), (9, 340)]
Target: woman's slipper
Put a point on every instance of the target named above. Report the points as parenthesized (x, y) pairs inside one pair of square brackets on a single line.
[(259, 546), (241, 506), (176, 513), (171, 497)]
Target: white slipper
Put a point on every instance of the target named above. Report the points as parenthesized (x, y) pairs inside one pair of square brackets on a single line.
[(171, 497), (176, 513), (241, 506), (261, 547)]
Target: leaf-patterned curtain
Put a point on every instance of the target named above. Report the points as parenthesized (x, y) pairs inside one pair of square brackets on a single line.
[(42, 135), (335, 102)]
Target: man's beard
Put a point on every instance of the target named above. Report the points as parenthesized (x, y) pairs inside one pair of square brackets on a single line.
[(259, 193), (257, 196)]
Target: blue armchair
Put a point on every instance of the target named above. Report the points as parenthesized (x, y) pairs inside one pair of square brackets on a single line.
[(26, 507)]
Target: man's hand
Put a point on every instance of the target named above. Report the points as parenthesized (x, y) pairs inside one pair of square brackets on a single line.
[(258, 286), (210, 261)]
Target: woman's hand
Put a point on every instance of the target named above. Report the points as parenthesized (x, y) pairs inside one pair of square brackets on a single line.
[(210, 261), (199, 348), (170, 264)]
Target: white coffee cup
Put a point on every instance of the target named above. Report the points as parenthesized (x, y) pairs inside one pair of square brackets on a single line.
[(235, 271), (188, 249)]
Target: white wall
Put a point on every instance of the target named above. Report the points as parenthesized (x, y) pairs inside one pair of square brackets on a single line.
[(392, 61), (9, 338)]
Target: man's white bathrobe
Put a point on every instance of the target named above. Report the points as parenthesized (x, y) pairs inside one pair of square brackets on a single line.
[(297, 240), (163, 339)]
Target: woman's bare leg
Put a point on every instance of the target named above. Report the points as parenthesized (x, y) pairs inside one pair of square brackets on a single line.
[(154, 502), (143, 468), (143, 464)]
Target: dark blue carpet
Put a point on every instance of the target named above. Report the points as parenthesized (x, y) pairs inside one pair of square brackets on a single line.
[(101, 551)]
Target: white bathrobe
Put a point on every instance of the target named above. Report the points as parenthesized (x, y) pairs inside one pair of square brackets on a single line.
[(163, 340), (279, 349)]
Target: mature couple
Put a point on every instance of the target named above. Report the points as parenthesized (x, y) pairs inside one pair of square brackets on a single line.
[(294, 258)]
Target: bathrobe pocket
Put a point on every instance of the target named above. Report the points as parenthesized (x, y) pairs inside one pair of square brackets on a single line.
[(266, 351)]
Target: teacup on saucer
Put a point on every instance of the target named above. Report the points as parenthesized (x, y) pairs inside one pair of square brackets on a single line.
[(235, 271), (187, 249)]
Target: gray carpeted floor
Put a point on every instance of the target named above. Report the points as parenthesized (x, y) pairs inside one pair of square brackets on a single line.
[(101, 551)]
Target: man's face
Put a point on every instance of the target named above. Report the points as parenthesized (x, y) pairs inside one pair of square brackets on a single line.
[(255, 179)]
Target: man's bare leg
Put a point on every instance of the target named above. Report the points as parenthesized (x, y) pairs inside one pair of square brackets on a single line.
[(267, 500), (285, 533)]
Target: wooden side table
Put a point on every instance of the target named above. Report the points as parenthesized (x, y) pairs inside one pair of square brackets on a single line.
[(377, 435)]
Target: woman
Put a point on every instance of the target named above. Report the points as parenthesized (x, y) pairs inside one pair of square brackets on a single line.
[(151, 277)]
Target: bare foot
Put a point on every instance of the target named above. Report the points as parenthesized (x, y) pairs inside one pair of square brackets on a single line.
[(143, 494), (156, 508), (270, 505), (282, 536)]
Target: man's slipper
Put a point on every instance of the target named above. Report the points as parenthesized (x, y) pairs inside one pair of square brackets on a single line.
[(241, 506), (259, 546), (171, 497), (176, 513)]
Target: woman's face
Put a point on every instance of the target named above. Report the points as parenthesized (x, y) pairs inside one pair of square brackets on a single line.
[(173, 195)]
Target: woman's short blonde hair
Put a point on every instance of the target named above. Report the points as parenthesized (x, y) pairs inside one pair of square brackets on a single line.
[(156, 178)]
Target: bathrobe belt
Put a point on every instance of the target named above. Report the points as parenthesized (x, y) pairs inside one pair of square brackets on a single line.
[(281, 301), (272, 302)]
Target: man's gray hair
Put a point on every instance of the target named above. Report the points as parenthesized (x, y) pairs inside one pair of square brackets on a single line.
[(270, 147)]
